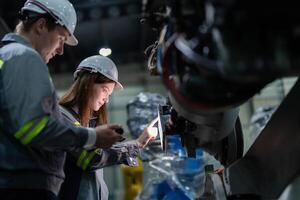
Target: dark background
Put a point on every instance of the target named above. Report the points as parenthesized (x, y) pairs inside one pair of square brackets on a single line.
[(100, 23)]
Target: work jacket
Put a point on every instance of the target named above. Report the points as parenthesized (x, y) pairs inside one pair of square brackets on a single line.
[(33, 136), (83, 168)]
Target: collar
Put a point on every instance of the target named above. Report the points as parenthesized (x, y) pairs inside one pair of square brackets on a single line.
[(14, 37), (75, 110)]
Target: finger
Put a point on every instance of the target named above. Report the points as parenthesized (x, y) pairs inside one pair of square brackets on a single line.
[(170, 121), (117, 137), (101, 127), (121, 139), (114, 126), (153, 122), (153, 132), (120, 131), (153, 138)]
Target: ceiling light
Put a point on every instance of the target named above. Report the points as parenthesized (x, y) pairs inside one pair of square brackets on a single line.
[(105, 51)]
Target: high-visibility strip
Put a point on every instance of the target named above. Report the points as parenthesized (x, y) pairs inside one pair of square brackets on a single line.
[(81, 158), (24, 128), (98, 151), (88, 160), (77, 123), (85, 158), (31, 129), (37, 129), (1, 63)]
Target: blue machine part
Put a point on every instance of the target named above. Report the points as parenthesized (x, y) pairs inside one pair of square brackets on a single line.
[(176, 195), (186, 178)]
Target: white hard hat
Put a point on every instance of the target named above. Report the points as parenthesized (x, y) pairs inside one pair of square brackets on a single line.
[(61, 10), (102, 65)]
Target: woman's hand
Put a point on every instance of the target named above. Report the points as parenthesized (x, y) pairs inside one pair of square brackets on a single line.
[(148, 134)]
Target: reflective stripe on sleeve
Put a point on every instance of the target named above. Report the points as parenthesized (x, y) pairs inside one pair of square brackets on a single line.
[(1, 63), (81, 157), (77, 123), (88, 160), (31, 129), (85, 158)]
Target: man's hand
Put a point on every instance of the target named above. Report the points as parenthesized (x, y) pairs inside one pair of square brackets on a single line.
[(106, 135), (148, 134)]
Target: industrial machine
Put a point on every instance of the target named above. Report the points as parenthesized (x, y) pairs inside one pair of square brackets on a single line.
[(214, 55)]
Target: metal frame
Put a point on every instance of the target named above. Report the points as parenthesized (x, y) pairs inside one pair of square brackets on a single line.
[(273, 161)]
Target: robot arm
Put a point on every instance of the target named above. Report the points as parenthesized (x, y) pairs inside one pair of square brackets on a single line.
[(214, 55)]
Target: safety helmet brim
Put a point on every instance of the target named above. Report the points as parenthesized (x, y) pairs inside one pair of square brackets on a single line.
[(72, 40), (89, 69), (118, 85), (102, 65)]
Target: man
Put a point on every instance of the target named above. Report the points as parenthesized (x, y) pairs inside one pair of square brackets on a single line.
[(33, 138)]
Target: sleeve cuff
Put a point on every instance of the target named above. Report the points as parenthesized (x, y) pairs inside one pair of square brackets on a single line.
[(91, 140)]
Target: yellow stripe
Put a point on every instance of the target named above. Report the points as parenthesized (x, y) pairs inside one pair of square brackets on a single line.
[(77, 123), (81, 157), (88, 160), (85, 157), (1, 63), (37, 129), (24, 128), (98, 151)]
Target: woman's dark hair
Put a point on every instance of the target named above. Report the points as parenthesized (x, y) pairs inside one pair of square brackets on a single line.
[(80, 95)]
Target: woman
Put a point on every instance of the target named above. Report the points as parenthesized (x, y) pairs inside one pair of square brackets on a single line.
[(84, 104)]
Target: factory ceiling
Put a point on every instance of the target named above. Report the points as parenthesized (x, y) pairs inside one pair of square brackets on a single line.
[(101, 23)]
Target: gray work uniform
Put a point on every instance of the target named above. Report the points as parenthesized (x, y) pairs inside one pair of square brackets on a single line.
[(83, 168), (33, 137)]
